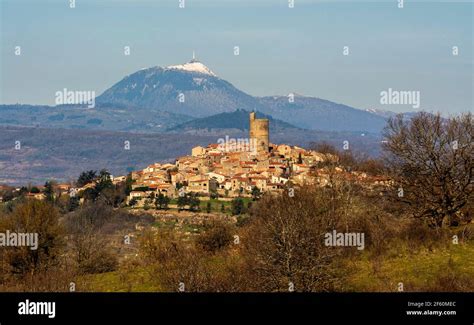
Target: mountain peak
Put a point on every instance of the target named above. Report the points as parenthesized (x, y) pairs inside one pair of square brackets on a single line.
[(193, 66)]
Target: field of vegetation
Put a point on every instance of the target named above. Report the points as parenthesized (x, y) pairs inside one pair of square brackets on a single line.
[(418, 230)]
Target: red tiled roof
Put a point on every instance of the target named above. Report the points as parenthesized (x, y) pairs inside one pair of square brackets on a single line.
[(199, 180)]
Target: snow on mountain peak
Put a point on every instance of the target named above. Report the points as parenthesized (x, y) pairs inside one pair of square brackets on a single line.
[(193, 66)]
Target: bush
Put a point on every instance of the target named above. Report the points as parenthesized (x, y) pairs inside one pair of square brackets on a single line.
[(237, 206), (32, 216), (90, 229), (217, 236), (99, 261)]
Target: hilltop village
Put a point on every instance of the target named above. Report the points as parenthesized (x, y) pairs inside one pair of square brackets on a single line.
[(230, 168), (234, 168)]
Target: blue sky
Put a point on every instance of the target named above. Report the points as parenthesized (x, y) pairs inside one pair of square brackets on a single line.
[(282, 50)]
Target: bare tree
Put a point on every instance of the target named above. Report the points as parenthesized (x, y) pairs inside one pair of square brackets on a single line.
[(285, 242), (431, 161), (34, 217), (88, 239)]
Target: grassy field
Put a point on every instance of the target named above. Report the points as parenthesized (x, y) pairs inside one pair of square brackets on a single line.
[(423, 270), (418, 271), (136, 279)]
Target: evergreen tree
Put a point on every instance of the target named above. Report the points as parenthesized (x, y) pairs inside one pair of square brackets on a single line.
[(49, 191), (194, 202), (182, 202), (23, 191), (86, 177), (128, 184), (300, 159), (256, 193), (133, 202), (104, 181), (162, 201), (237, 206)]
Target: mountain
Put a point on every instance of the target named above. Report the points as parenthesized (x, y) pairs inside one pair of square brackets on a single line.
[(159, 98), (189, 89), (319, 114), (206, 94), (237, 120)]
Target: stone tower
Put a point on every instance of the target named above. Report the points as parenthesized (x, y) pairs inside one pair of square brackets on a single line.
[(258, 133)]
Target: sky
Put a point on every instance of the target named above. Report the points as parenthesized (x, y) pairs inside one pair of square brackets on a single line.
[(282, 50)]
